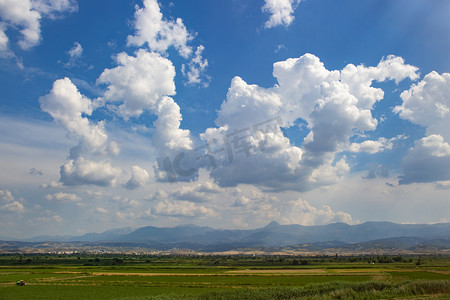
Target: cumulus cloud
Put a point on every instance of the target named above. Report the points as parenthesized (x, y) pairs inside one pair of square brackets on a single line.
[(427, 103), (3, 41), (14, 206), (52, 185), (280, 11), (138, 82), (76, 51), (250, 146), (360, 78), (139, 178), (196, 68), (69, 108), (159, 34), (82, 171), (253, 205), (26, 16), (143, 83), (372, 147), (101, 210), (427, 161), (303, 213), (443, 185), (6, 196), (168, 135), (248, 104), (181, 209), (54, 8), (74, 54), (63, 197), (197, 193), (10, 204), (48, 217), (242, 201)]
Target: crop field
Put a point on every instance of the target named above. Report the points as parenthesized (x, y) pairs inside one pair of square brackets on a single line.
[(203, 277)]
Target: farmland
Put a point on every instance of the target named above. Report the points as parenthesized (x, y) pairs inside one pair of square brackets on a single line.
[(222, 277)]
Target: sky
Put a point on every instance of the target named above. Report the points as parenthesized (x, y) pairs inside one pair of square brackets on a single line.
[(229, 114)]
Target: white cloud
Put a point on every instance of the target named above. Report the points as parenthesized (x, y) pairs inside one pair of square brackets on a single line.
[(74, 54), (82, 171), (359, 78), (427, 161), (20, 13), (159, 34), (196, 68), (139, 177), (256, 167), (76, 51), (303, 213), (168, 135), (49, 217), (11, 204), (51, 8), (372, 147), (443, 185), (247, 105), (68, 107), (63, 197), (427, 103), (53, 185), (335, 105), (14, 206), (26, 15), (143, 83), (181, 209), (281, 12), (242, 202), (101, 210), (436, 145), (124, 216), (300, 82), (328, 173), (197, 193), (6, 196), (139, 82), (3, 41)]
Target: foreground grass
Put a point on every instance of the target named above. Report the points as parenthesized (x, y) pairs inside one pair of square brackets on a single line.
[(237, 278), (339, 290), (437, 289)]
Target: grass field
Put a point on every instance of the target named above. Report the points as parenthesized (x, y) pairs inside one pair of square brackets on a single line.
[(132, 277)]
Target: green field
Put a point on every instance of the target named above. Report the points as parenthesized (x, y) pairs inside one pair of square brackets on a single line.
[(177, 277)]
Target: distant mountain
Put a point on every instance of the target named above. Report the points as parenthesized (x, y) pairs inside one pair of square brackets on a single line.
[(47, 238), (108, 235), (383, 235), (276, 235)]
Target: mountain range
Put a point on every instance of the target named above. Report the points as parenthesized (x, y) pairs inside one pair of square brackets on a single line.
[(274, 235)]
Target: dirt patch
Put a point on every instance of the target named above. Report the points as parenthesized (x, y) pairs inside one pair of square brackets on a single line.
[(150, 274), (279, 271), (358, 271)]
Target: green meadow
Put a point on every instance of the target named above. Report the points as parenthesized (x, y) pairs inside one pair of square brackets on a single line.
[(214, 277)]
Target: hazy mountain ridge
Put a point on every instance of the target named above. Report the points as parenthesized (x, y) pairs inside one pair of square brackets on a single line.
[(383, 235)]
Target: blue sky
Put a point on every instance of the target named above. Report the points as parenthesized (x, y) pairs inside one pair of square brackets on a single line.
[(222, 113)]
